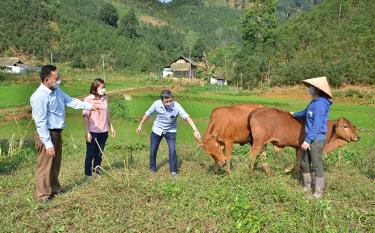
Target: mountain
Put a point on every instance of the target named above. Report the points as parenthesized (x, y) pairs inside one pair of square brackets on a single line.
[(334, 39), (77, 32), (80, 32)]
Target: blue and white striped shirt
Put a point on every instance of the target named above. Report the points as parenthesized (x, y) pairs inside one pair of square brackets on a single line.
[(48, 110), (166, 119)]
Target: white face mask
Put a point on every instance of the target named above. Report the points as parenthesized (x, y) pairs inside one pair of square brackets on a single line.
[(101, 91), (312, 91), (56, 84)]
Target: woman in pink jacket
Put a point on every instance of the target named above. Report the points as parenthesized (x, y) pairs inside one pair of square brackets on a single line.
[(97, 124)]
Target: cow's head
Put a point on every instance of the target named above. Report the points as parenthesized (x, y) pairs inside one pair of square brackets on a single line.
[(213, 148), (344, 129)]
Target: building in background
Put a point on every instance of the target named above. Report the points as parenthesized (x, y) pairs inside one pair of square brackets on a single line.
[(15, 65)]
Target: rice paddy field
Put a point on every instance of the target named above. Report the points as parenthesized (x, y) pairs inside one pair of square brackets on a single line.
[(127, 198)]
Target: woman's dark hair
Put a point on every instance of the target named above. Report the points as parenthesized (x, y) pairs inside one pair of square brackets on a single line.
[(323, 94), (166, 94), (46, 71), (95, 84)]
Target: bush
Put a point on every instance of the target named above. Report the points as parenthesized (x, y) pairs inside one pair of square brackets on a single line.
[(119, 109), (78, 63), (2, 77)]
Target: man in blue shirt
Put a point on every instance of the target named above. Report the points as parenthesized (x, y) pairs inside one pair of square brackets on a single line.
[(48, 111), (165, 125), (316, 115)]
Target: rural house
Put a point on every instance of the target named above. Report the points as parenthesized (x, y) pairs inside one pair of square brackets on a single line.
[(15, 65), (184, 67)]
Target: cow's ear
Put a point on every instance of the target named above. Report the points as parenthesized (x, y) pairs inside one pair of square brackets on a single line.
[(333, 144)]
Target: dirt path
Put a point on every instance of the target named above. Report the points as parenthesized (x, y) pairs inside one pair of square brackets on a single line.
[(24, 112)]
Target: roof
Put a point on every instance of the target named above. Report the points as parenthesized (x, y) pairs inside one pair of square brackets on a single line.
[(188, 60), (180, 66), (9, 61)]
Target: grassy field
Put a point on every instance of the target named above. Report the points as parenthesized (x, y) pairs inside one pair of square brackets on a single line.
[(127, 198), (16, 90)]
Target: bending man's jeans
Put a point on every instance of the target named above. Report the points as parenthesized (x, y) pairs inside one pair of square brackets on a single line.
[(154, 146), (312, 160)]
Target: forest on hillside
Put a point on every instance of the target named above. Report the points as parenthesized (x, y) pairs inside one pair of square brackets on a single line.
[(250, 42), (136, 35), (336, 39)]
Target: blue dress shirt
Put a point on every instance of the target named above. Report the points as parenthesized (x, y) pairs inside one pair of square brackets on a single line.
[(166, 119), (48, 110)]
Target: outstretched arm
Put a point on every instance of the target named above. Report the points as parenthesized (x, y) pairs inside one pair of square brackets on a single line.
[(76, 103), (140, 126), (197, 135), (300, 114), (147, 116)]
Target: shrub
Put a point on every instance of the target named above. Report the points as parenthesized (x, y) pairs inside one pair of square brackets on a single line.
[(119, 109)]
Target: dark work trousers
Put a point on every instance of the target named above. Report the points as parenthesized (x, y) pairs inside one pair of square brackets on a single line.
[(312, 160), (93, 152), (154, 146), (48, 167)]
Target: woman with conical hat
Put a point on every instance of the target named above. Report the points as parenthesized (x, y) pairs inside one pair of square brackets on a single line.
[(316, 115)]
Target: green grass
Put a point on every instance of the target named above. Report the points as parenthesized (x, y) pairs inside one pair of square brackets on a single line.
[(17, 89), (128, 199)]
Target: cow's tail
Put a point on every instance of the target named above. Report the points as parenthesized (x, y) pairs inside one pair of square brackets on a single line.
[(248, 123)]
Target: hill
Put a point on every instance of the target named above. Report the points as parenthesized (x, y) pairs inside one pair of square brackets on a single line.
[(336, 39), (79, 33)]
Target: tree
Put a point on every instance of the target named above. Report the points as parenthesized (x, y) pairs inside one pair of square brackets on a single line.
[(198, 49), (109, 15), (259, 36), (129, 24), (190, 40), (259, 24)]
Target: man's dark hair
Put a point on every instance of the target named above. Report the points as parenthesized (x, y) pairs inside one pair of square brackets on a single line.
[(94, 86), (166, 94), (46, 71)]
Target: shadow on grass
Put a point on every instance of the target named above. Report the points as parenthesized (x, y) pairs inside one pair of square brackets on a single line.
[(9, 163), (165, 162), (73, 184), (118, 165), (214, 169), (129, 161)]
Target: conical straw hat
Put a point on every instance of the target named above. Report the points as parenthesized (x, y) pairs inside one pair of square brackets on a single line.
[(321, 83)]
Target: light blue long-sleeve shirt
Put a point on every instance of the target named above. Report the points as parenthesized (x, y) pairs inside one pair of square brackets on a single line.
[(48, 110), (166, 119)]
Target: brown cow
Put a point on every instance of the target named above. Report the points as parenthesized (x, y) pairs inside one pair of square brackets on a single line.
[(228, 125), (281, 129)]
